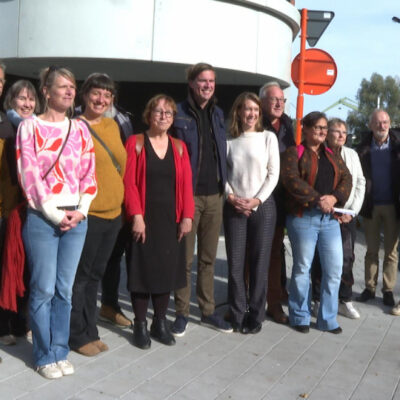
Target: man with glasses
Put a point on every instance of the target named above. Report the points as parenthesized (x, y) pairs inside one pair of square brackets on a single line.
[(379, 154), (200, 124), (275, 120)]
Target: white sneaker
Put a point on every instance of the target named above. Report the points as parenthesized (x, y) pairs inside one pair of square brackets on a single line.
[(396, 310), (66, 367), (315, 308), (8, 340), (50, 371), (347, 309)]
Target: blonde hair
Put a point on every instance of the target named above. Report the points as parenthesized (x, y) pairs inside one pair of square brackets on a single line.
[(47, 78)]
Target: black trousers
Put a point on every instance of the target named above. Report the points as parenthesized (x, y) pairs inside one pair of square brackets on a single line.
[(254, 235), (112, 274), (348, 232), (100, 239)]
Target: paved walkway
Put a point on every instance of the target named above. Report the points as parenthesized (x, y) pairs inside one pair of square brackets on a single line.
[(278, 363)]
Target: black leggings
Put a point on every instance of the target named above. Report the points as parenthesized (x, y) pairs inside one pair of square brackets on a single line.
[(140, 303)]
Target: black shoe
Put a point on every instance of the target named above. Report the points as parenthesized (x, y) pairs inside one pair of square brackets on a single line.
[(159, 330), (302, 328), (251, 326), (236, 327), (141, 336), (336, 331), (365, 296), (388, 299), (255, 327)]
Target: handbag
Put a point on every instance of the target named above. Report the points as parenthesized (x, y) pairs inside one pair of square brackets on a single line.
[(106, 148)]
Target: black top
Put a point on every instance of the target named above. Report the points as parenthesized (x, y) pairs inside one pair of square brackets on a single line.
[(207, 182), (325, 175)]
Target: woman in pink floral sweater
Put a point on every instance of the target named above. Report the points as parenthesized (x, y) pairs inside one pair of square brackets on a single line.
[(56, 169)]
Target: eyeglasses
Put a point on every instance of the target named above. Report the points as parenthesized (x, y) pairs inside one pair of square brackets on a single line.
[(159, 113), (277, 100), (320, 128)]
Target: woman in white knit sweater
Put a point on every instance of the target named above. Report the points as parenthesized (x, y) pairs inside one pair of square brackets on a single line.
[(249, 210)]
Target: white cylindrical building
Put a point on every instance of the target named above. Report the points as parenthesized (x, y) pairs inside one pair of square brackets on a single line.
[(150, 43)]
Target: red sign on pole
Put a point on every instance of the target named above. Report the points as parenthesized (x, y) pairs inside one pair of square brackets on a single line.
[(320, 71)]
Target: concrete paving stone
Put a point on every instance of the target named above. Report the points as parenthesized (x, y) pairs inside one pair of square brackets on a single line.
[(218, 375), (10, 391), (250, 386), (267, 373), (328, 392), (386, 362), (152, 362), (396, 395), (296, 381), (11, 367), (345, 380), (90, 394), (28, 381), (155, 389), (375, 386)]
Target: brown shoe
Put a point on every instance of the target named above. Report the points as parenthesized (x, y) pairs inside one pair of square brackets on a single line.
[(88, 350), (101, 345), (277, 314), (115, 317)]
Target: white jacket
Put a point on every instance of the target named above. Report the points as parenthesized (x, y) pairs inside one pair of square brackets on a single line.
[(352, 161)]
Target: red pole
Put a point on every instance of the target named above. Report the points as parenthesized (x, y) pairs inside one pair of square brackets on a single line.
[(300, 96)]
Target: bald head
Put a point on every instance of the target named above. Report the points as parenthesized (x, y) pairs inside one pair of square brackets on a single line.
[(379, 124)]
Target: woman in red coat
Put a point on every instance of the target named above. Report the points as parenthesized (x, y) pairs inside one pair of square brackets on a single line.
[(159, 202)]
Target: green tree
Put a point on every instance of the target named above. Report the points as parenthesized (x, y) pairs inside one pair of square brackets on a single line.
[(387, 90)]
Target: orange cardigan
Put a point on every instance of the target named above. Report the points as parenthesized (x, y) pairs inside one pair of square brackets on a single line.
[(135, 181)]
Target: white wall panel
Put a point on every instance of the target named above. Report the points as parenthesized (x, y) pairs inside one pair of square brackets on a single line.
[(9, 12), (86, 28)]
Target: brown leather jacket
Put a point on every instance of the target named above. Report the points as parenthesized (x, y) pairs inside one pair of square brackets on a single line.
[(298, 174)]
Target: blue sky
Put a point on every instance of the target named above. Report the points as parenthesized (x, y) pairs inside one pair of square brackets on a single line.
[(362, 39)]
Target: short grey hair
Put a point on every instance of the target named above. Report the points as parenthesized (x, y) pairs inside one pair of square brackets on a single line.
[(2, 66), (377, 111), (263, 89)]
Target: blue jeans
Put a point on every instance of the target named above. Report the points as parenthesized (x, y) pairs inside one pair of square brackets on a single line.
[(53, 257), (314, 229)]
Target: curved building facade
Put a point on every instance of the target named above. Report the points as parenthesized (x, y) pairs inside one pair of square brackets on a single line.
[(146, 45), (150, 40)]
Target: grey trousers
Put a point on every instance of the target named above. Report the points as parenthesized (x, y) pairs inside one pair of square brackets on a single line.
[(252, 237)]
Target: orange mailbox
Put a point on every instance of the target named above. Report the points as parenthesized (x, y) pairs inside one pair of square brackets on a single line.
[(320, 71)]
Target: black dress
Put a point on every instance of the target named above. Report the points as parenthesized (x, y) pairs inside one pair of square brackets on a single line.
[(158, 265)]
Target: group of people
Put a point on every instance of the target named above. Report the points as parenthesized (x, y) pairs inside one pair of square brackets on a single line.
[(93, 190)]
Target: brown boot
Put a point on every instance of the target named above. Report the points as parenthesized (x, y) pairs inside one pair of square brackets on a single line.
[(101, 345), (88, 350), (115, 317), (276, 313)]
